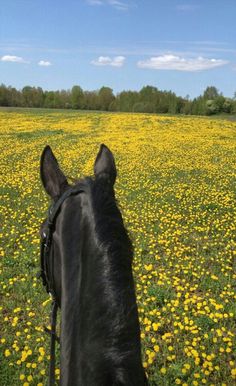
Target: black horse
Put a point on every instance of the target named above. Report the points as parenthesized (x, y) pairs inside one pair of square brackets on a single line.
[(92, 278)]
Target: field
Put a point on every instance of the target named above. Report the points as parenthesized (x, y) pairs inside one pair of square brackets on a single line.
[(176, 190)]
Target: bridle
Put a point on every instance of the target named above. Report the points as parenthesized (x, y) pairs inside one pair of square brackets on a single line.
[(47, 270)]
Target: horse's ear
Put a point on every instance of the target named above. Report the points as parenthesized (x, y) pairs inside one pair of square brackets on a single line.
[(53, 179), (105, 165)]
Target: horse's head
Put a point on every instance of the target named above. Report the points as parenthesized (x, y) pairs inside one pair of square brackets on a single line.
[(69, 204), (86, 264), (54, 180)]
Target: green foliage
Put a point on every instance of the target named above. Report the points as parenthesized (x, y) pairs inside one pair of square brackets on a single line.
[(227, 106), (148, 100), (211, 107), (105, 98), (210, 93), (176, 190), (77, 97)]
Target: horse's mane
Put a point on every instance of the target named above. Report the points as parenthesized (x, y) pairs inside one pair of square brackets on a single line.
[(109, 226)]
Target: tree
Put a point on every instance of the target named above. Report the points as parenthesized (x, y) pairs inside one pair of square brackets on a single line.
[(91, 100), (148, 96), (220, 100), (148, 100), (227, 106), (211, 107), (148, 93), (211, 92), (105, 98), (114, 105), (186, 107), (65, 97), (127, 99), (4, 95), (27, 96), (199, 106), (77, 97), (49, 100), (32, 96)]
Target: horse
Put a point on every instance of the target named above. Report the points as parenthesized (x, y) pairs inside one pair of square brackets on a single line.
[(90, 275)]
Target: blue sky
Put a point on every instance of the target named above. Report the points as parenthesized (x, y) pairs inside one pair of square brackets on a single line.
[(182, 46)]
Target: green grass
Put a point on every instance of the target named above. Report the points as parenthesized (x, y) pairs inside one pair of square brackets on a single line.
[(176, 190)]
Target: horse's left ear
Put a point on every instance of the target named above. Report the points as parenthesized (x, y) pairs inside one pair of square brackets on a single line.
[(104, 165), (52, 177)]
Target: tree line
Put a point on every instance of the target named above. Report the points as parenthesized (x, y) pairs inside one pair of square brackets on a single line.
[(148, 100)]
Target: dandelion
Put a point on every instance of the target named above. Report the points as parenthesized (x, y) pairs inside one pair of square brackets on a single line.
[(163, 370), (7, 353), (176, 192)]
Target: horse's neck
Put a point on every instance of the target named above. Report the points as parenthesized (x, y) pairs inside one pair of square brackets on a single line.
[(87, 313)]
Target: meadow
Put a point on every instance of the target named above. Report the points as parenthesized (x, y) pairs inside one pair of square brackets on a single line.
[(176, 191)]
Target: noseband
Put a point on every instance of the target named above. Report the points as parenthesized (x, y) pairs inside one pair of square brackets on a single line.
[(47, 270)]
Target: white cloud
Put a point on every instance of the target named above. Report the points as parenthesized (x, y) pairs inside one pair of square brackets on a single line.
[(174, 62), (95, 2), (117, 61), (44, 63), (13, 59), (117, 4), (120, 5)]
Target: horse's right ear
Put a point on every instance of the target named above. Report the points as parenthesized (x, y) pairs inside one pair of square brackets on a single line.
[(52, 177), (104, 165)]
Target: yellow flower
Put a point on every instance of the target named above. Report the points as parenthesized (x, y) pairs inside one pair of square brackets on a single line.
[(7, 353), (176, 194), (163, 370), (155, 326)]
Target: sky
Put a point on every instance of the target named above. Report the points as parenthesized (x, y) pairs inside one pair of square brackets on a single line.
[(178, 45)]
